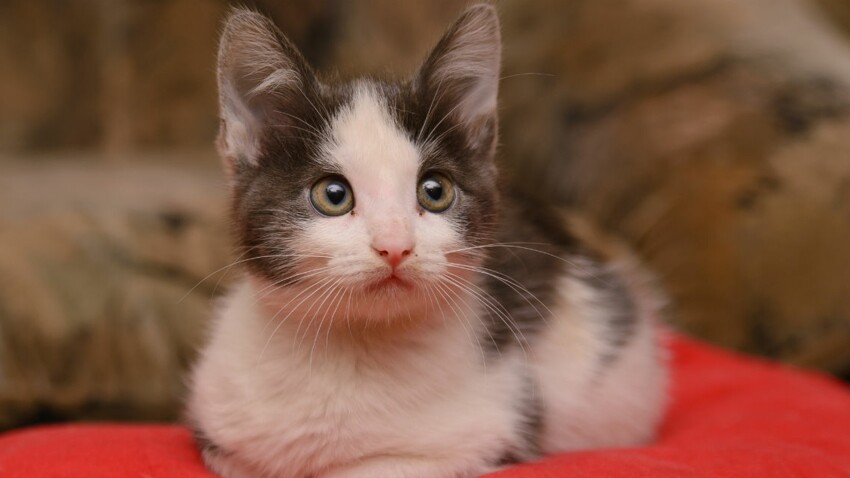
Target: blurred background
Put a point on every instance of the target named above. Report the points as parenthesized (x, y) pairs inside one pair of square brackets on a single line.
[(712, 135)]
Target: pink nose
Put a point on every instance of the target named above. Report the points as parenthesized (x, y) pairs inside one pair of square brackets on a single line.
[(393, 249)]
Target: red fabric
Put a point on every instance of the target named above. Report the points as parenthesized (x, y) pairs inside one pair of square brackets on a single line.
[(730, 416)]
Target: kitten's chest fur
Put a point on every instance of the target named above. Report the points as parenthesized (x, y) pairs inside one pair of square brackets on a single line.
[(313, 401)]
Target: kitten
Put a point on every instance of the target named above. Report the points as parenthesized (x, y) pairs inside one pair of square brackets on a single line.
[(402, 316)]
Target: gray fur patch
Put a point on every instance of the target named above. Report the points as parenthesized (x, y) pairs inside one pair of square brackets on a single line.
[(529, 427), (614, 299), (204, 443), (521, 273), (532, 251)]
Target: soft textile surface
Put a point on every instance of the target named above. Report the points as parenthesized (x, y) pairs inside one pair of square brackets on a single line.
[(730, 417)]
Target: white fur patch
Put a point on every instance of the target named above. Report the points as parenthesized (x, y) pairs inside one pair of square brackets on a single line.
[(413, 404), (375, 155), (586, 408)]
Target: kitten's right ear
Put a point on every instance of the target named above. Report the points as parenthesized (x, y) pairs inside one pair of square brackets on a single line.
[(259, 72), (462, 74)]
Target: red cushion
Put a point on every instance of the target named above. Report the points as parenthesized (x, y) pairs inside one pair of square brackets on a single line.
[(730, 416)]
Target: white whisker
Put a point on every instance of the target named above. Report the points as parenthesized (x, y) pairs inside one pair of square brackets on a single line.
[(237, 262), (314, 287), (464, 322), (505, 316)]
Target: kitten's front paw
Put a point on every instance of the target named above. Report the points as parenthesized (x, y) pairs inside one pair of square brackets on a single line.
[(407, 467)]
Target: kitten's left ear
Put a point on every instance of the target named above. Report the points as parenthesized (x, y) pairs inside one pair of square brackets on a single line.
[(262, 78), (461, 74)]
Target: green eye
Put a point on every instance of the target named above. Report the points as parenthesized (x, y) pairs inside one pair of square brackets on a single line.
[(332, 196), (435, 192)]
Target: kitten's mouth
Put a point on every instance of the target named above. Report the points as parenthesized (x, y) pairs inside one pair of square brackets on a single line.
[(390, 282)]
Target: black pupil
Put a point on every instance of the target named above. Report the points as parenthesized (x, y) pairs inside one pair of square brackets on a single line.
[(335, 193), (433, 189)]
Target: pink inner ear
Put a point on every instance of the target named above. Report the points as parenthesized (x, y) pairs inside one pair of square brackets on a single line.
[(260, 75), (463, 69)]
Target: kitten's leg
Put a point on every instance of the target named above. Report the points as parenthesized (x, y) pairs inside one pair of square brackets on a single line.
[(410, 467)]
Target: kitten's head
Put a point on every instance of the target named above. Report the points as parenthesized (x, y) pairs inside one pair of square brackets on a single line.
[(360, 200)]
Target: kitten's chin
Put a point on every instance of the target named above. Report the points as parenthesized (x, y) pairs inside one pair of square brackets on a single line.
[(390, 296), (392, 299)]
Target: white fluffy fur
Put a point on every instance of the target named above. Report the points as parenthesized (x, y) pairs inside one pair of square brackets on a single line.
[(414, 403), (585, 407)]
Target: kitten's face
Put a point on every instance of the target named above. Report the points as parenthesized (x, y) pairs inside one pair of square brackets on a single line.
[(363, 201)]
